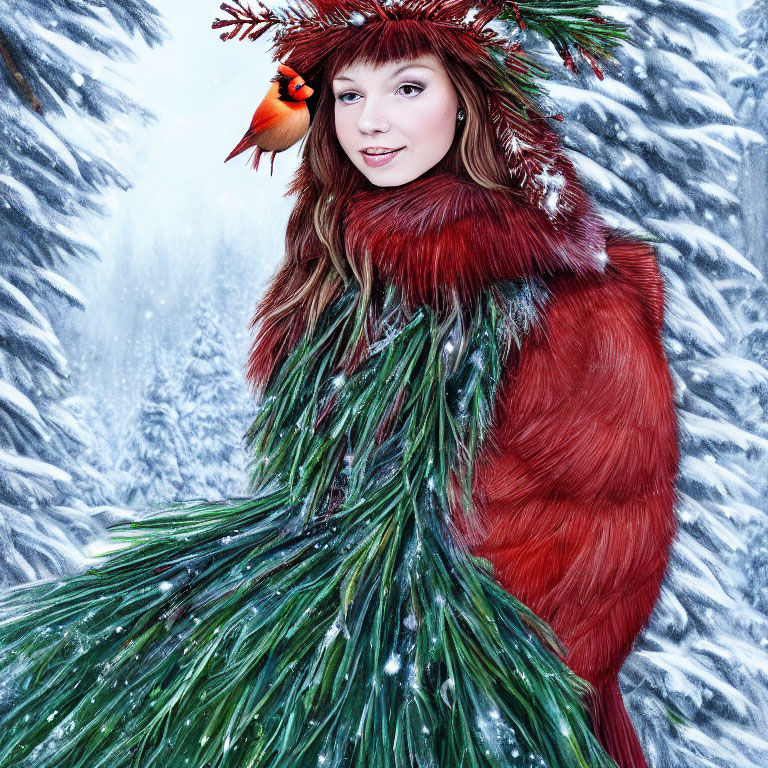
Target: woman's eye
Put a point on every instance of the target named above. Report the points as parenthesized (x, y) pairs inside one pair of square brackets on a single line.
[(413, 90), (418, 88)]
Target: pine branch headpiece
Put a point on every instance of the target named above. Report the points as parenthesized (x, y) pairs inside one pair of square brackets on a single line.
[(571, 26)]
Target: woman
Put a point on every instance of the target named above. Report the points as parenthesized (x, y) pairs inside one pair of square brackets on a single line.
[(574, 490), (449, 302)]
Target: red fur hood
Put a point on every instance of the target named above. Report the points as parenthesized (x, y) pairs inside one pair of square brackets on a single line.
[(440, 233), (437, 237)]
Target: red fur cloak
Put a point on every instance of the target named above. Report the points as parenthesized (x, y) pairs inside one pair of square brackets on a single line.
[(574, 490)]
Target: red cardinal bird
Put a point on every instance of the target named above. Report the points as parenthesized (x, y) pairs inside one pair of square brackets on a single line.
[(280, 120)]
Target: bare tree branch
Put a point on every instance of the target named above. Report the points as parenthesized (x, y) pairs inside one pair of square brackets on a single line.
[(17, 77)]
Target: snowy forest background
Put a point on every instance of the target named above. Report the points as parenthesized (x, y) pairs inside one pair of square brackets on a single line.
[(131, 259)]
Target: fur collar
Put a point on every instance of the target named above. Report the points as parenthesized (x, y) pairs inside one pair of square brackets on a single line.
[(440, 234)]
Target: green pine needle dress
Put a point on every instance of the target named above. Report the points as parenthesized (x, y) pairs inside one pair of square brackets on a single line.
[(332, 619)]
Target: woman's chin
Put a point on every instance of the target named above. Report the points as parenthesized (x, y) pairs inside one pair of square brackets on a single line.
[(383, 177), (387, 176)]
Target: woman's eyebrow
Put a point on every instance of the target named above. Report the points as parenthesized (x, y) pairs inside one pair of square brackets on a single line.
[(394, 74)]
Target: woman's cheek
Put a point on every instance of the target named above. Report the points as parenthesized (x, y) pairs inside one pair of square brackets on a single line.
[(439, 121), (344, 134)]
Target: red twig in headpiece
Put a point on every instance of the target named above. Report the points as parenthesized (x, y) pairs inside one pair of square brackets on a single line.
[(245, 22)]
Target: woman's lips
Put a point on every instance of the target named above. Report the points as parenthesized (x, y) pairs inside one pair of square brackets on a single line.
[(376, 160)]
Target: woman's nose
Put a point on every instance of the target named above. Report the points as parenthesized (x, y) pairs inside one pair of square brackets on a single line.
[(372, 118)]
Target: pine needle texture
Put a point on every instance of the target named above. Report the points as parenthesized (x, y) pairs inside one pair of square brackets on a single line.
[(330, 619)]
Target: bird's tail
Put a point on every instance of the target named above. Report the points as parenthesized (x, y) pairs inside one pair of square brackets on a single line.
[(613, 727), (247, 142)]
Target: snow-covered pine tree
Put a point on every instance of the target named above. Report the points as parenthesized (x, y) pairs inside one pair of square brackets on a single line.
[(91, 485), (55, 94), (753, 300), (753, 110), (214, 413), (658, 147), (152, 444)]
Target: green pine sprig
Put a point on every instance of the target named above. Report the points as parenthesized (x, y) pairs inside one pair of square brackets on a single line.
[(330, 619), (571, 26)]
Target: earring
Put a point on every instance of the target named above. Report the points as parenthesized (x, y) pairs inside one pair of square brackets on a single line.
[(460, 116)]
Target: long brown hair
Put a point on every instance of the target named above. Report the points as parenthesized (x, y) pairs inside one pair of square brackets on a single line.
[(315, 268)]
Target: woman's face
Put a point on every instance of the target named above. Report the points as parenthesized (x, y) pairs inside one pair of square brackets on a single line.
[(408, 107)]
